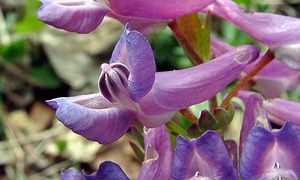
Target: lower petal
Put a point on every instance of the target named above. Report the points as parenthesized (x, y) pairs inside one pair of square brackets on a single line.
[(102, 124)]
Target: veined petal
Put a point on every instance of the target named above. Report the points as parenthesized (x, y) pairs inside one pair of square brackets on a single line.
[(108, 171), (205, 157), (93, 117), (281, 110), (71, 174), (174, 90), (157, 9), (268, 28), (271, 154), (81, 16), (158, 155), (135, 52)]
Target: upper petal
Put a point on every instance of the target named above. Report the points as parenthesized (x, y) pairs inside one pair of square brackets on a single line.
[(174, 90), (271, 154), (158, 155), (268, 28), (93, 117), (81, 16), (205, 157), (157, 9), (281, 110), (108, 171), (135, 52)]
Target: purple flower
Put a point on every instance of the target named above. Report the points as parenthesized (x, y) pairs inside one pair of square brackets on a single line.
[(107, 171), (202, 158), (158, 155), (280, 33), (271, 154), (130, 89), (83, 16), (272, 81), (267, 153)]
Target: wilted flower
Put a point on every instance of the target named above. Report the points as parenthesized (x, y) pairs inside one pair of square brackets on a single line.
[(83, 16), (280, 33), (130, 89)]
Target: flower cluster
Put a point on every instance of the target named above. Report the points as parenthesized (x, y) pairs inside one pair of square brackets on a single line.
[(132, 92)]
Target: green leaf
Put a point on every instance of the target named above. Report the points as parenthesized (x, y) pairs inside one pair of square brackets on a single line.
[(197, 33), (13, 51), (29, 22), (45, 75)]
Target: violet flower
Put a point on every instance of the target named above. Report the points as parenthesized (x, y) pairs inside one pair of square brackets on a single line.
[(267, 153), (83, 16), (203, 158), (276, 154), (280, 33), (107, 171), (130, 89), (272, 81)]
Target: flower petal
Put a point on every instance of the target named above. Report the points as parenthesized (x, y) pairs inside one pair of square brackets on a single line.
[(281, 110), (108, 171), (205, 157), (253, 113), (157, 9), (271, 154), (158, 159), (81, 16), (93, 117), (174, 90), (135, 52), (71, 174), (268, 28)]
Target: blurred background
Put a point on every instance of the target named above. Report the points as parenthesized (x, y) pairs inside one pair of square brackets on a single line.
[(38, 62)]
